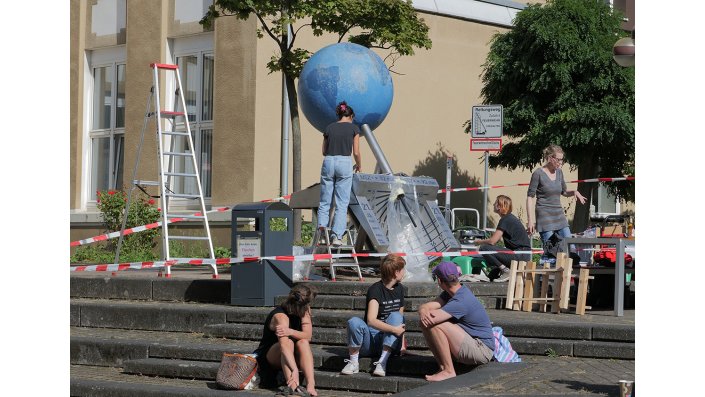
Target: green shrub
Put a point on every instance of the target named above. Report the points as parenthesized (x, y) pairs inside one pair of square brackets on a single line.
[(136, 247), (222, 252)]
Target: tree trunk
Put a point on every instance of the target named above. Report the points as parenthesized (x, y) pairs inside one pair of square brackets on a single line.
[(581, 220), (296, 149)]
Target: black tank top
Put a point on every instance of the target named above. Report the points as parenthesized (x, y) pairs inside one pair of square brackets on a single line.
[(269, 337)]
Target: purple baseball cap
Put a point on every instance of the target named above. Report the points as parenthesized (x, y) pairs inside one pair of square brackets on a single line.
[(446, 271)]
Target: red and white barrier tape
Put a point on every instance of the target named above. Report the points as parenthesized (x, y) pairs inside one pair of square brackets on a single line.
[(114, 267), (467, 189), (155, 225), (136, 229)]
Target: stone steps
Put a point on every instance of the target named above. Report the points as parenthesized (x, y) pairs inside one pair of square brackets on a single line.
[(95, 381), (206, 370), (245, 323), (116, 347), (134, 335)]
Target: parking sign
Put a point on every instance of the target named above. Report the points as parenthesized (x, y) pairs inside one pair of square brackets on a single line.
[(487, 121)]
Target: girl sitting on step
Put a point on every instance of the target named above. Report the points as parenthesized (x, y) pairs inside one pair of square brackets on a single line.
[(382, 329), (285, 343)]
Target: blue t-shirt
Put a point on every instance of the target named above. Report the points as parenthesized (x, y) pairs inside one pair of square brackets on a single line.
[(469, 314)]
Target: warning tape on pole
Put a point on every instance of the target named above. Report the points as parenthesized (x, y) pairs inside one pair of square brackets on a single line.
[(467, 189), (114, 267)]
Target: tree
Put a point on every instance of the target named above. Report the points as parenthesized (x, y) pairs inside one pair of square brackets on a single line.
[(390, 25), (555, 76)]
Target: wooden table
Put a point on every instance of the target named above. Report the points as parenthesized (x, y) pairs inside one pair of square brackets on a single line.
[(619, 270)]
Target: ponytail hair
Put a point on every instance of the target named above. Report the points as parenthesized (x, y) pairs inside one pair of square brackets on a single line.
[(551, 150), (299, 300), (344, 110)]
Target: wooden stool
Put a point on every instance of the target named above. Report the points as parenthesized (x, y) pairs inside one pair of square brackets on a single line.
[(522, 286)]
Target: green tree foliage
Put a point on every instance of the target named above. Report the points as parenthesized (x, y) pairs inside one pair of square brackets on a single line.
[(391, 25), (555, 76)]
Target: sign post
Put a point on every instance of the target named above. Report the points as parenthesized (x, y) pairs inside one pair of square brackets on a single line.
[(449, 168), (486, 136)]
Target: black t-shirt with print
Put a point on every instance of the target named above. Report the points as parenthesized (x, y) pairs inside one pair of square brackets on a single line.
[(389, 300)]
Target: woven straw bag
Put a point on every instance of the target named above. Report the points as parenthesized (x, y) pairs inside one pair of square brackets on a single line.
[(237, 372)]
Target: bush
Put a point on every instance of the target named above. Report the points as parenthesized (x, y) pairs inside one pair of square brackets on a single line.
[(137, 247)]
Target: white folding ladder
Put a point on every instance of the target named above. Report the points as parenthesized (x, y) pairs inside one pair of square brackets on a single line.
[(175, 134)]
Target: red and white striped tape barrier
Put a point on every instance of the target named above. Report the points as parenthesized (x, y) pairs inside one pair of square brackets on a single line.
[(114, 267), (467, 189), (136, 229), (155, 225)]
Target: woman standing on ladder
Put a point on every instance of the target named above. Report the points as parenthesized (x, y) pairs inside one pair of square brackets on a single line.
[(339, 140)]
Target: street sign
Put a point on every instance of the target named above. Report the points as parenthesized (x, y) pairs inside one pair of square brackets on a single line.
[(486, 145), (487, 121)]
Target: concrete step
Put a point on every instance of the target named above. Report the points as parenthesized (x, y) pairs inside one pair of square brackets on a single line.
[(113, 348), (94, 381), (412, 304), (133, 287), (416, 341), (194, 317), (413, 289), (206, 370)]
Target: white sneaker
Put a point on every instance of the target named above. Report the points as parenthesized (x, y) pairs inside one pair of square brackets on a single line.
[(502, 277), (336, 242), (351, 367), (379, 369)]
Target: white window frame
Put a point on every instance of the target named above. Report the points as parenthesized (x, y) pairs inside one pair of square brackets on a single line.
[(111, 57), (598, 192), (198, 46)]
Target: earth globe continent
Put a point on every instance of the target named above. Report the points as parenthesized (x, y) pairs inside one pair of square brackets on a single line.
[(345, 72)]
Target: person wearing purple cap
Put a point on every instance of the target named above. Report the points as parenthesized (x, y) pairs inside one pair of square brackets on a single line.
[(455, 324)]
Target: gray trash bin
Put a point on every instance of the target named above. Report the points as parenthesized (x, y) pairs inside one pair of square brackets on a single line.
[(266, 229)]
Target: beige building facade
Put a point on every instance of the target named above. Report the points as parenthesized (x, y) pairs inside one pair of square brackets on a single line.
[(234, 104)]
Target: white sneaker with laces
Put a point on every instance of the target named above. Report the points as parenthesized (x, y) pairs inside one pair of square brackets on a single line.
[(502, 277), (351, 367), (337, 242), (380, 369)]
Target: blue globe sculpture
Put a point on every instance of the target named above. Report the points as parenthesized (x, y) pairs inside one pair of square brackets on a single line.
[(345, 72)]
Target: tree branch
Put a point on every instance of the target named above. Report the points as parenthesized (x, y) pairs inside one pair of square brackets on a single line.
[(266, 28)]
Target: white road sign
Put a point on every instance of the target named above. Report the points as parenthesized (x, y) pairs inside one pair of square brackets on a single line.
[(487, 121)]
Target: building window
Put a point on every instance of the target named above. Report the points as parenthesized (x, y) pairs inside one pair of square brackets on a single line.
[(604, 203), (196, 70), (107, 131)]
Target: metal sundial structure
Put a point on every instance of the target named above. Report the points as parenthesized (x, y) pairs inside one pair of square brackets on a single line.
[(394, 213)]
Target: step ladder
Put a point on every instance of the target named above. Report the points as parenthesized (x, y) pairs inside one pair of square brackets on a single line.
[(322, 245), (176, 166)]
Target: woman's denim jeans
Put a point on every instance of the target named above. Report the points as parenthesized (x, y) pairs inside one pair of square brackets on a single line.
[(545, 235), (336, 178), (370, 340)]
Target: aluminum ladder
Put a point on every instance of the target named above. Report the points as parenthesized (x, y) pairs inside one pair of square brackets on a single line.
[(322, 244), (174, 132)]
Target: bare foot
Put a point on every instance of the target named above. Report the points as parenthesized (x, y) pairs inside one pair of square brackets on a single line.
[(441, 375), (312, 391)]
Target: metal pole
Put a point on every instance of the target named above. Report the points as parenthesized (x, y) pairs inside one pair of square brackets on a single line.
[(382, 162), (286, 121), (484, 195), (449, 166)]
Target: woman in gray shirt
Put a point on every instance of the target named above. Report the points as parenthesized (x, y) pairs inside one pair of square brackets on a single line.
[(543, 202)]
